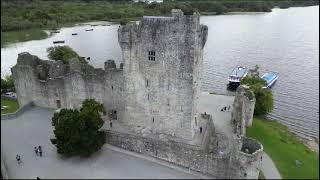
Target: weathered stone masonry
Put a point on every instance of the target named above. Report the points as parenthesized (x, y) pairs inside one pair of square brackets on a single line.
[(157, 88), (168, 88)]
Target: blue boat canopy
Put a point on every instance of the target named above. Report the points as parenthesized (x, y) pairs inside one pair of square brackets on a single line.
[(270, 77)]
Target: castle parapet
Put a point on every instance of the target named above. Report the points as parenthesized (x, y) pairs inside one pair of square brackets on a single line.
[(26, 58)]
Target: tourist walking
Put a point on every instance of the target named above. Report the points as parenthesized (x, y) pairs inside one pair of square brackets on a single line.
[(111, 124), (18, 158), (36, 151), (228, 108), (40, 151)]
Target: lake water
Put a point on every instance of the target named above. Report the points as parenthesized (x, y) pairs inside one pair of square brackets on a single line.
[(285, 41)]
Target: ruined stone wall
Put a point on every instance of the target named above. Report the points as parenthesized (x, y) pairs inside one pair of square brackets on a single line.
[(243, 109), (162, 94), (46, 82), (231, 164)]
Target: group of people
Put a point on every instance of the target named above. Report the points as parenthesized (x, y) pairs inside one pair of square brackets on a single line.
[(225, 108), (37, 150)]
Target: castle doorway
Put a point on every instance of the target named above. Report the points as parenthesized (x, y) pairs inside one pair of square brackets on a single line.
[(115, 115), (58, 103)]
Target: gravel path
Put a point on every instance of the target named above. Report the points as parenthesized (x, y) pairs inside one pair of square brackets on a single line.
[(20, 135), (269, 168)]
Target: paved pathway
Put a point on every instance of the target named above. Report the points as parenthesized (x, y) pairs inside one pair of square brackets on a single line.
[(212, 104), (20, 135), (269, 168)]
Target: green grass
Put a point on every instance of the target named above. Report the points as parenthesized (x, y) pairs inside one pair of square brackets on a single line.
[(21, 36), (284, 148), (13, 106)]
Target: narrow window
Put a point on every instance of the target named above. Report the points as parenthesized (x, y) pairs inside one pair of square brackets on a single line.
[(153, 119), (151, 55), (112, 87), (168, 103), (195, 120), (181, 109), (147, 83), (148, 97)]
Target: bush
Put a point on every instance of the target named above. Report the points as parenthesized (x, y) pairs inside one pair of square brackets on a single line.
[(7, 84), (123, 21), (78, 132), (64, 53)]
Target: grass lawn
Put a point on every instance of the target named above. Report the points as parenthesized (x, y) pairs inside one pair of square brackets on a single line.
[(13, 106), (20, 36), (284, 148)]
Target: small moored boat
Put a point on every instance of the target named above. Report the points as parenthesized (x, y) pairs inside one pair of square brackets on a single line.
[(89, 29), (57, 42), (270, 77), (73, 34), (236, 75)]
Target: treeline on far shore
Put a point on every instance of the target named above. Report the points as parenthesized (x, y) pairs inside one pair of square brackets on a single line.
[(27, 14)]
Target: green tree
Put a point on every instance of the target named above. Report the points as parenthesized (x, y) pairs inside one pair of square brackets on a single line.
[(264, 97), (64, 53), (78, 132), (7, 84), (4, 85)]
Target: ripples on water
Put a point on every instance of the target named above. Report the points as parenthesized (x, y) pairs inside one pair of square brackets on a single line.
[(285, 41)]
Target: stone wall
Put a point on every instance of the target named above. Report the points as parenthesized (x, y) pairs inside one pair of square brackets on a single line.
[(163, 93), (250, 158), (231, 164), (243, 109), (50, 83)]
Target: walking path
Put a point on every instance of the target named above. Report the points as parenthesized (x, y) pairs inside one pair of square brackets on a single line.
[(20, 135), (269, 168)]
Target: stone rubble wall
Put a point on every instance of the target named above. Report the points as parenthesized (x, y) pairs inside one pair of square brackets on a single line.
[(233, 164), (45, 82), (195, 158)]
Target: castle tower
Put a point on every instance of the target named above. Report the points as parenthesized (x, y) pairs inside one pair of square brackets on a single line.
[(162, 72)]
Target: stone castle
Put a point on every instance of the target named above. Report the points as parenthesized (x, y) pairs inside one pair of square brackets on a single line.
[(157, 88)]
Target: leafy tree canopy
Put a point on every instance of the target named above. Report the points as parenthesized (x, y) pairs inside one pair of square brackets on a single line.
[(78, 132), (64, 53), (264, 97)]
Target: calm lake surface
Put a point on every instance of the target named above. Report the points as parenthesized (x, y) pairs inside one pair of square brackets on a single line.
[(285, 41)]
